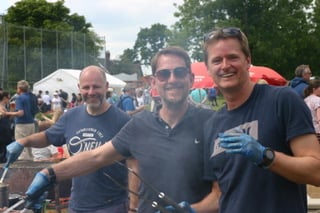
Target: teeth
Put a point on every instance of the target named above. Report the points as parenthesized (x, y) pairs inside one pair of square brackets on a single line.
[(227, 75)]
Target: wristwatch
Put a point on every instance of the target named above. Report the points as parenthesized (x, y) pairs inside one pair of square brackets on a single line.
[(268, 157), (52, 176)]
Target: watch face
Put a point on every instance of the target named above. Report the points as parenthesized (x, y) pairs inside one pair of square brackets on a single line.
[(269, 154)]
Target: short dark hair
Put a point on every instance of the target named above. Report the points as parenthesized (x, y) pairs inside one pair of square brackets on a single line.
[(4, 94), (172, 50)]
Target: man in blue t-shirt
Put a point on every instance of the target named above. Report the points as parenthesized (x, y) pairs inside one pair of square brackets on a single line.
[(24, 117), (261, 146), (127, 101), (83, 128)]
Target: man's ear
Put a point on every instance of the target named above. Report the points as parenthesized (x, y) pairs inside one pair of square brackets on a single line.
[(192, 78)]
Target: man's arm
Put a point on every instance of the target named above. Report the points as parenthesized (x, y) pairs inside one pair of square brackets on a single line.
[(36, 140), (18, 113), (138, 109), (85, 162), (304, 166), (210, 204)]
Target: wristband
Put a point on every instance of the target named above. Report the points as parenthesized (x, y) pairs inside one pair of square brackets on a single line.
[(52, 175)]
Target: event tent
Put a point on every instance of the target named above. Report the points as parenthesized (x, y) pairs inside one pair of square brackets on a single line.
[(67, 80)]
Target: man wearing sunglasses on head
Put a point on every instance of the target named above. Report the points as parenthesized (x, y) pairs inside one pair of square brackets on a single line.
[(261, 146), (167, 144)]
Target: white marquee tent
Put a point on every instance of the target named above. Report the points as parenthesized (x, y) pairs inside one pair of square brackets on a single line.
[(67, 80)]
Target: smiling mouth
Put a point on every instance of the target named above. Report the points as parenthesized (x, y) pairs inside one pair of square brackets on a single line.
[(226, 75)]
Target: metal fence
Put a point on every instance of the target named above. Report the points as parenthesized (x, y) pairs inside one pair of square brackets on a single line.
[(32, 53)]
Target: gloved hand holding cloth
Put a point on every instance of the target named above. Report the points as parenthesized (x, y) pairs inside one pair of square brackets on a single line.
[(240, 143)]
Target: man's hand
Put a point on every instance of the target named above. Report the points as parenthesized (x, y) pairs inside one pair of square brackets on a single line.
[(36, 192), (240, 143), (185, 208), (14, 150)]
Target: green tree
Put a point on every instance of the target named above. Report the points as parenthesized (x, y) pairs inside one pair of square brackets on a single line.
[(44, 36), (149, 41), (280, 33), (127, 64)]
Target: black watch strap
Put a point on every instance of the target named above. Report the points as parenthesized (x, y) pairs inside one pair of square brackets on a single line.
[(52, 175)]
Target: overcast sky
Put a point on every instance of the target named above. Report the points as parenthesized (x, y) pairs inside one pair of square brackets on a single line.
[(119, 21)]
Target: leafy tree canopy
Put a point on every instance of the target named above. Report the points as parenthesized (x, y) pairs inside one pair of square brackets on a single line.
[(150, 41), (43, 14), (281, 33)]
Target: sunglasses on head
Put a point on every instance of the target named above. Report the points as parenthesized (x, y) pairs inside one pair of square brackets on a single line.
[(178, 72), (226, 32)]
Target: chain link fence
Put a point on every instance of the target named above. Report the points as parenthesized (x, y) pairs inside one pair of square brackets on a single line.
[(32, 53)]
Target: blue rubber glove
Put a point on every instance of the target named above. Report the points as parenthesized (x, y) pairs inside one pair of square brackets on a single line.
[(36, 192), (184, 205), (240, 143), (14, 150)]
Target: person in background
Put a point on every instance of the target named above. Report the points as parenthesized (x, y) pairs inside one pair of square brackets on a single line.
[(155, 100), (140, 98), (146, 95), (24, 118), (47, 101), (109, 96), (73, 100), (56, 103), (83, 128), (39, 95), (51, 118), (301, 79), (5, 125), (212, 96), (49, 153), (64, 99), (312, 99), (167, 144), (261, 147), (127, 101)]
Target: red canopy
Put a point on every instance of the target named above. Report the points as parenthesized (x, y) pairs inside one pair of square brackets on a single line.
[(203, 79), (268, 74)]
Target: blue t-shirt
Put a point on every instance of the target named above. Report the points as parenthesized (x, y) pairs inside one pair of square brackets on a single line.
[(23, 102), (273, 116), (127, 103), (170, 159), (82, 132)]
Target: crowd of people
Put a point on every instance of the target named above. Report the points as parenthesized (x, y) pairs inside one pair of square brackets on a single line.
[(256, 153)]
